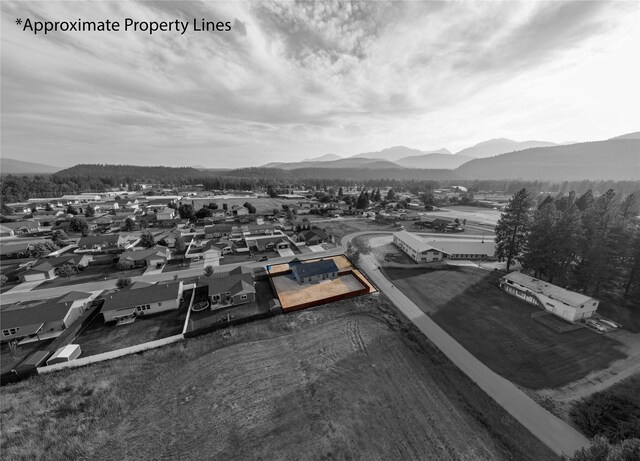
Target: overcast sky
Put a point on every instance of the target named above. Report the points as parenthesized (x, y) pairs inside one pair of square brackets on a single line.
[(292, 81)]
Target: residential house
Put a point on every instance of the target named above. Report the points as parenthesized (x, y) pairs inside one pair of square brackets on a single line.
[(16, 249), (101, 242), (6, 231), (259, 229), (268, 243), (567, 304), (312, 236), (150, 257), (40, 271), (234, 289), (142, 300), (43, 320), (238, 210), (225, 246), (166, 213), (315, 271), (218, 230), (27, 226)]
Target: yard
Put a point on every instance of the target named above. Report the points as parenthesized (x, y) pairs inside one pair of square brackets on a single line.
[(353, 380), (93, 273), (498, 329), (99, 337), (9, 360), (208, 318)]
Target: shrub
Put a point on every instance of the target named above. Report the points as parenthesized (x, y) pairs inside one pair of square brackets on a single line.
[(123, 282), (616, 417)]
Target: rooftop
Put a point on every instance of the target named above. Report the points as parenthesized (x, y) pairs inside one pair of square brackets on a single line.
[(133, 297), (324, 266), (570, 298)]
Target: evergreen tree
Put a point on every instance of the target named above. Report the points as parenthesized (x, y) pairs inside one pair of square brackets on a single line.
[(129, 225), (513, 227), (147, 240), (391, 195), (79, 225)]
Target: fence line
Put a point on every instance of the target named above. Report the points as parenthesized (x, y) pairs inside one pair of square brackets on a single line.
[(111, 354)]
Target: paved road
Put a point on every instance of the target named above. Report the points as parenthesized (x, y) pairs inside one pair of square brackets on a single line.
[(552, 431)]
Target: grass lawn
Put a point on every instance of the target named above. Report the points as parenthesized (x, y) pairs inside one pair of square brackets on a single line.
[(498, 330), (99, 337), (340, 228), (9, 360), (206, 318), (351, 380)]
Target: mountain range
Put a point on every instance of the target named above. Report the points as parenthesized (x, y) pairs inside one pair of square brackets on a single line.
[(613, 159), (413, 158), (12, 166)]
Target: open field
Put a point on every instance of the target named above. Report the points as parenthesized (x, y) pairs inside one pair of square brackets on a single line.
[(98, 337), (498, 330), (353, 380), (479, 215), (343, 226)]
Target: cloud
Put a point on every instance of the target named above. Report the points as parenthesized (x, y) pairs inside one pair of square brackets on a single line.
[(311, 77)]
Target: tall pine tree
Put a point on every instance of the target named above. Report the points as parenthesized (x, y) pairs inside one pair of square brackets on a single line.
[(513, 228)]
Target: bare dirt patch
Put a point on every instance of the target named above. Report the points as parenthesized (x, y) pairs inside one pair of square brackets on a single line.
[(352, 380)]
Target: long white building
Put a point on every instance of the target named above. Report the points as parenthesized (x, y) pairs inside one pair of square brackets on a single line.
[(422, 249), (567, 304)]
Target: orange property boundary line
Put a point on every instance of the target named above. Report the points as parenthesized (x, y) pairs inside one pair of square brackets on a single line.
[(367, 287)]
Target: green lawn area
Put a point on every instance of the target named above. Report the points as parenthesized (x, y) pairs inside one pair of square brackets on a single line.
[(349, 380), (9, 360), (498, 330), (342, 227), (99, 337)]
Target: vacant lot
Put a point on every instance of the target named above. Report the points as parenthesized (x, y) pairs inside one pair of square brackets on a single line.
[(349, 381), (497, 328), (341, 227)]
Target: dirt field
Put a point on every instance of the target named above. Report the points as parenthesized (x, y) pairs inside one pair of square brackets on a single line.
[(344, 226), (292, 294), (353, 380), (497, 328)]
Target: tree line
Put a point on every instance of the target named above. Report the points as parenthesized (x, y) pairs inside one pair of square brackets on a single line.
[(589, 242)]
